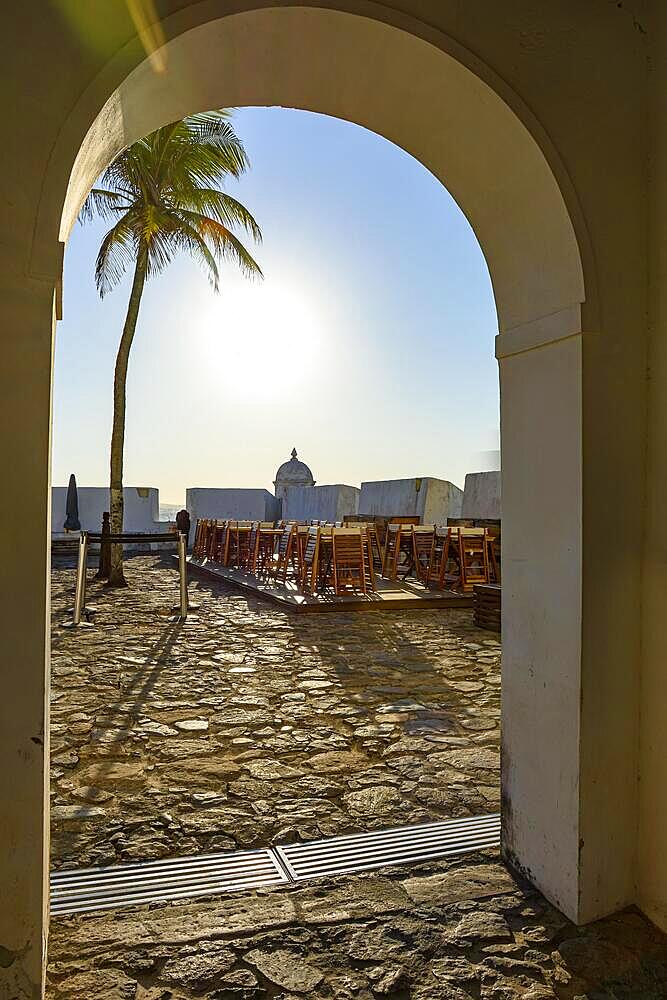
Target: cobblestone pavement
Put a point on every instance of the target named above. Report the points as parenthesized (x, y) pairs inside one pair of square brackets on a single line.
[(456, 931), (249, 726)]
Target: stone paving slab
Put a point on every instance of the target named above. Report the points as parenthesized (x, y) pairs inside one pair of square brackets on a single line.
[(465, 930), (248, 726)]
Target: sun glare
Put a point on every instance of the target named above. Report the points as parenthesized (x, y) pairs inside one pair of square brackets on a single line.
[(261, 339)]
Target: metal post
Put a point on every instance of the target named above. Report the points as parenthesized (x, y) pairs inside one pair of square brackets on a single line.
[(104, 568), (80, 593), (80, 596), (182, 568)]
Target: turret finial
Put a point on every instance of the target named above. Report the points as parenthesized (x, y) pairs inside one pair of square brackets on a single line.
[(293, 452)]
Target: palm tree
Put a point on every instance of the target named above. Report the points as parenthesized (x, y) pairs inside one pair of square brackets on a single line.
[(163, 193)]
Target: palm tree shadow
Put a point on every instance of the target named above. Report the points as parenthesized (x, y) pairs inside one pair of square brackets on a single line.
[(141, 686)]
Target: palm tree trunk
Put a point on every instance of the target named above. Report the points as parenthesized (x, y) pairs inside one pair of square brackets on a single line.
[(116, 576)]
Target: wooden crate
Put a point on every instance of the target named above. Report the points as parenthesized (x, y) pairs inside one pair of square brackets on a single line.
[(486, 612)]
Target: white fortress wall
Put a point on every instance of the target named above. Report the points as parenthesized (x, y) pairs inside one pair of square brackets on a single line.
[(434, 500), (320, 503), (142, 508), (482, 495), (238, 504)]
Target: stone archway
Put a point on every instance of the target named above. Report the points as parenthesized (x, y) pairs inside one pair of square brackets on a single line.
[(417, 88)]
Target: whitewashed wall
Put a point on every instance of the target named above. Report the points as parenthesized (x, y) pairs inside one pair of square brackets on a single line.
[(481, 495), (320, 503), (241, 504), (142, 508), (434, 500)]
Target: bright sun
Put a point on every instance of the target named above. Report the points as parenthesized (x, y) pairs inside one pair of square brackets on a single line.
[(261, 339)]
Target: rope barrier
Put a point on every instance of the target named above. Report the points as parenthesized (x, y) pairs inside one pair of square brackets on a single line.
[(135, 538)]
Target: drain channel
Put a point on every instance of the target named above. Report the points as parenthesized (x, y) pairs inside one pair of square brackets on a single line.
[(84, 890), (398, 846)]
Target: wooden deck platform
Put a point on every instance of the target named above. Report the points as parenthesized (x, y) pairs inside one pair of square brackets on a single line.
[(399, 595)]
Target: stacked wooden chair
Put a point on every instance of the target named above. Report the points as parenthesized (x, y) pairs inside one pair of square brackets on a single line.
[(443, 571), (375, 547), (219, 542), (369, 560), (398, 558), (493, 547), (261, 547), (423, 540), (202, 538), (311, 558), (474, 557), (459, 559), (349, 561), (392, 549), (237, 541), (280, 563)]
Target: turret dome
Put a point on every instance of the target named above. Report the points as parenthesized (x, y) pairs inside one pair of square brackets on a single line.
[(292, 473)]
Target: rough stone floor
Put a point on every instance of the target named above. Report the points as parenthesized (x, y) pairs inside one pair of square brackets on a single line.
[(451, 931), (247, 726)]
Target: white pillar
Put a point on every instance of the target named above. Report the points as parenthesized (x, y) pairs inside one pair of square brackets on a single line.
[(26, 318), (569, 711)]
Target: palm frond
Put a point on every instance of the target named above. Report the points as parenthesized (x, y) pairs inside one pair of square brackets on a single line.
[(221, 206), (106, 204), (167, 185), (117, 252), (187, 237), (223, 242)]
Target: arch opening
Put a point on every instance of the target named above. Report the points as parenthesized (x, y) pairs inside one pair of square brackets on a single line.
[(457, 126), (435, 108)]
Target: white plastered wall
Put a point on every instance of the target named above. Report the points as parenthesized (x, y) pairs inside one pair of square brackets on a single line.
[(421, 87)]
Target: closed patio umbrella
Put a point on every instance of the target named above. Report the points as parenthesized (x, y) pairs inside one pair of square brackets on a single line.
[(72, 522)]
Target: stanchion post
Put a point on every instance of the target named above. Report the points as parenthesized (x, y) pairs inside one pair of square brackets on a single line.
[(104, 568), (79, 598), (80, 593), (183, 569)]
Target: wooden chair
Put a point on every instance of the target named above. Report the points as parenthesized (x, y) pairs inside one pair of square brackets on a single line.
[(250, 549), (423, 539), (281, 562), (232, 544), (348, 560), (228, 543), (440, 537), (493, 547), (474, 555), (208, 543), (202, 532), (207, 536), (299, 548), (325, 558), (398, 559), (266, 547), (445, 552), (310, 560), (242, 544), (391, 551), (375, 546), (260, 546), (217, 542), (369, 567)]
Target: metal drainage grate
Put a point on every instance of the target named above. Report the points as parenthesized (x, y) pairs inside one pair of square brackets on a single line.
[(398, 846), (86, 889)]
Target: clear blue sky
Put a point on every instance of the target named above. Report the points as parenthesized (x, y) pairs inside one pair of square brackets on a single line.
[(368, 346)]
